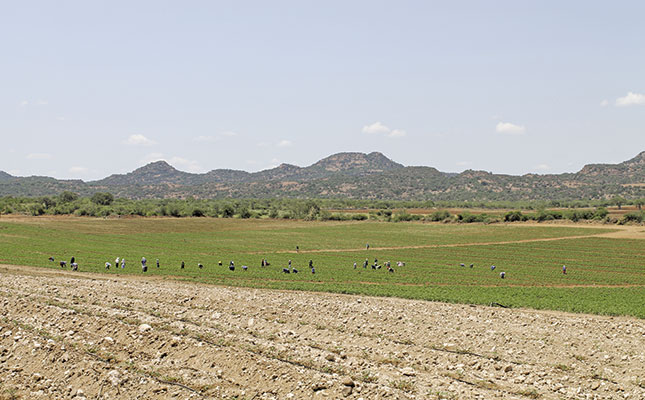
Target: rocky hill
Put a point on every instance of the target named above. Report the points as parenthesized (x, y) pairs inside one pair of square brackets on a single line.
[(350, 175)]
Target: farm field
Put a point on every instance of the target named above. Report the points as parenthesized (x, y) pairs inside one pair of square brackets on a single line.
[(606, 266)]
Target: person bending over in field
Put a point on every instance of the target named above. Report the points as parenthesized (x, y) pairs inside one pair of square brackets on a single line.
[(354, 265), (63, 264), (74, 267), (107, 265), (51, 259), (219, 263), (144, 267), (201, 266)]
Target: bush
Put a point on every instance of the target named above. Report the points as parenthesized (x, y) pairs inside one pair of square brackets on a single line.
[(514, 216), (437, 216), (101, 198), (637, 217)]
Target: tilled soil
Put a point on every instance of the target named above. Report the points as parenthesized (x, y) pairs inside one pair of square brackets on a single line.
[(72, 335)]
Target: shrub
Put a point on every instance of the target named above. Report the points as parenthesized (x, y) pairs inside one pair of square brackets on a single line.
[(103, 199)]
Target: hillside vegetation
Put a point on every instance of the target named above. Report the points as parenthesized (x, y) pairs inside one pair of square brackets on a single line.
[(352, 176)]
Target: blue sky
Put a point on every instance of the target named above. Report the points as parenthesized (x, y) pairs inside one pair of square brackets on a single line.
[(91, 88)]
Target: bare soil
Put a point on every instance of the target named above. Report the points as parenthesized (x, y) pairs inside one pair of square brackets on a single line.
[(79, 335)]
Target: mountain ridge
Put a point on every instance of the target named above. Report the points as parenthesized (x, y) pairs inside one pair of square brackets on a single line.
[(350, 175)]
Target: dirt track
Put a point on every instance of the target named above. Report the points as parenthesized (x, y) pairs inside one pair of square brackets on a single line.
[(92, 336)]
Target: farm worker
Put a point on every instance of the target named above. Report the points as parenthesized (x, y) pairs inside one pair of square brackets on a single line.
[(502, 275), (354, 265), (74, 267), (313, 270), (200, 265), (311, 263), (232, 264), (365, 263), (182, 265), (51, 259), (219, 263), (116, 263), (63, 264), (367, 246), (157, 263), (122, 263), (564, 269), (289, 264), (72, 261), (144, 267), (297, 249), (107, 265), (492, 268)]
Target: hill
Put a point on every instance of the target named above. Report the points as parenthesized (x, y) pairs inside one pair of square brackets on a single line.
[(350, 175)]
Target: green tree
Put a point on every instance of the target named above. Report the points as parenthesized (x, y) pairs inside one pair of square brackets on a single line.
[(102, 198), (67, 197)]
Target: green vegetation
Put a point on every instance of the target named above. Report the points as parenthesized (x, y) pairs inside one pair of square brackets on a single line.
[(103, 204), (605, 275)]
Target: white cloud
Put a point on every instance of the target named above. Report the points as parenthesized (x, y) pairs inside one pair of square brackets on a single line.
[(138, 140), (631, 99), (463, 163), (543, 167), (78, 170), (181, 163), (604, 103), (376, 128), (510, 129), (395, 133), (60, 118), (285, 143), (185, 164), (152, 157), (214, 138), (206, 139), (42, 102), (24, 103), (39, 156)]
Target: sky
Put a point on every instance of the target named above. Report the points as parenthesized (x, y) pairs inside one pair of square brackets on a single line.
[(92, 88)]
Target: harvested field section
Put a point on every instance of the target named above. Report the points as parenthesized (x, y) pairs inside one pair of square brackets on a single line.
[(126, 337)]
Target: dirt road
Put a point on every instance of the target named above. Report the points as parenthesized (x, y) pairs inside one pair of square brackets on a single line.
[(92, 336)]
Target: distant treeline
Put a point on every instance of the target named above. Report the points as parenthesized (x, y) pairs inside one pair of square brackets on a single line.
[(104, 204)]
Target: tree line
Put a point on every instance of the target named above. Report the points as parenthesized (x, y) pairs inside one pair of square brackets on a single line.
[(103, 204)]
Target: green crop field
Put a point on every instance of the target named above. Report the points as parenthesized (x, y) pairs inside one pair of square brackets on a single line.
[(605, 275)]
